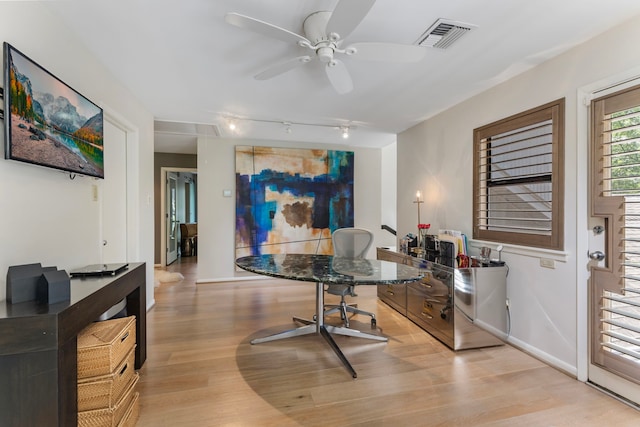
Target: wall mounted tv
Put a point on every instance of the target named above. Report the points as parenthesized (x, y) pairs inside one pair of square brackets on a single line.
[(47, 123)]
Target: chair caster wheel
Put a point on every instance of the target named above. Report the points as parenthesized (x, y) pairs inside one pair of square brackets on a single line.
[(373, 323)]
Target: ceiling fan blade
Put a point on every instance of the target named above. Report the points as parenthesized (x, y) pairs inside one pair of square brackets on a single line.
[(282, 67), (386, 52), (264, 28), (347, 16), (339, 77)]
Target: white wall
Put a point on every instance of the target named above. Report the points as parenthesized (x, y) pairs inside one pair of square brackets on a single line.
[(45, 216), (436, 158), (388, 185), (216, 214)]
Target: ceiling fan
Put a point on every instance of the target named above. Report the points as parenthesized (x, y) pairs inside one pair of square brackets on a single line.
[(324, 33)]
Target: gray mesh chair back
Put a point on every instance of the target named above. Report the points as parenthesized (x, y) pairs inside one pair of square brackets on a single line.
[(349, 243)]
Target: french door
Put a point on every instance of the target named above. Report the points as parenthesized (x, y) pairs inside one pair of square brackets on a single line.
[(614, 288), (172, 217)]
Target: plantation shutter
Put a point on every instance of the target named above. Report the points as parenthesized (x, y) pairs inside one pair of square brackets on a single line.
[(518, 178), (615, 289)]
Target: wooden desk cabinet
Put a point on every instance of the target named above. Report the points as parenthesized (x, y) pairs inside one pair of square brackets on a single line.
[(38, 347)]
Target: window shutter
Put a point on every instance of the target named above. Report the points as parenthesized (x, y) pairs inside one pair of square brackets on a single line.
[(518, 178)]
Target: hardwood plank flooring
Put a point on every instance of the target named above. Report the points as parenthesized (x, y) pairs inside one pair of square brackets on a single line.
[(201, 369)]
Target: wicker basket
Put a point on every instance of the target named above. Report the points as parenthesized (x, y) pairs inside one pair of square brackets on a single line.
[(102, 346), (110, 417), (105, 391), (132, 413)]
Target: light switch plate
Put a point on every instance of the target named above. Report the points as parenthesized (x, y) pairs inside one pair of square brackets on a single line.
[(226, 193)]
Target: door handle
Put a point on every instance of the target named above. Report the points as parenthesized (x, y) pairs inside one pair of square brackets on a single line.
[(597, 255)]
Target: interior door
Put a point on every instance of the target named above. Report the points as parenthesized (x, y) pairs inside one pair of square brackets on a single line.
[(172, 217), (114, 195), (614, 288)]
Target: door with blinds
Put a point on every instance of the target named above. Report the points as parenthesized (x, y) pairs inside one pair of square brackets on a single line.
[(614, 288)]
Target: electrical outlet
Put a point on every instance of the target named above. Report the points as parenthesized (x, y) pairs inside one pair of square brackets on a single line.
[(547, 263)]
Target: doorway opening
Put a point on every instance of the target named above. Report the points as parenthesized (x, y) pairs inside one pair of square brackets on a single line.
[(179, 206)]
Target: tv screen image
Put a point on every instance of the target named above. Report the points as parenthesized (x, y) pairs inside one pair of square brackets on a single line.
[(48, 123)]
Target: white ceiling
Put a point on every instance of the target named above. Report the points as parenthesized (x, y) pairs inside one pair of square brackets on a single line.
[(187, 65)]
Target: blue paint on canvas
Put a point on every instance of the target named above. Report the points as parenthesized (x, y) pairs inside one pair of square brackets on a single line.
[(332, 195)]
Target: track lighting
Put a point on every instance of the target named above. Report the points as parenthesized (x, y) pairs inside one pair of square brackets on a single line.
[(345, 131), (233, 123)]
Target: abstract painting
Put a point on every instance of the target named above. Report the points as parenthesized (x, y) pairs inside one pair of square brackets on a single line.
[(290, 200)]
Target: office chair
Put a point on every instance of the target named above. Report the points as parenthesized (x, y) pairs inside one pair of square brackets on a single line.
[(349, 243)]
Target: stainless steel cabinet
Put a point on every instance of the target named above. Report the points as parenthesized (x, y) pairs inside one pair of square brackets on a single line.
[(445, 302), (394, 295)]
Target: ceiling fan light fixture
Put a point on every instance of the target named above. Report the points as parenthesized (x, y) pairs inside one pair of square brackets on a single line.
[(325, 54), (323, 33)]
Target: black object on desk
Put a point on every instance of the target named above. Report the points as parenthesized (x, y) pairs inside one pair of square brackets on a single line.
[(22, 281), (53, 287), (38, 347), (327, 269), (99, 270)]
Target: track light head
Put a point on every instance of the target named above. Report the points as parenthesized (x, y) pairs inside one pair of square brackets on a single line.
[(345, 131)]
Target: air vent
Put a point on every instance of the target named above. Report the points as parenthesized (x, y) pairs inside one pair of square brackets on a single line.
[(184, 128), (443, 33)]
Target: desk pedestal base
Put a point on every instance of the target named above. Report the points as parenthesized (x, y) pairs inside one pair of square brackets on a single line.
[(318, 327)]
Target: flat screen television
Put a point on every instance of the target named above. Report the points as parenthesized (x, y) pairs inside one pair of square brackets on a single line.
[(48, 123)]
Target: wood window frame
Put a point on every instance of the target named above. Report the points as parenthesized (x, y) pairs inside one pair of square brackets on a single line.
[(554, 111)]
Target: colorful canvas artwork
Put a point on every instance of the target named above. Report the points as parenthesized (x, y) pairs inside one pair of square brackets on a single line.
[(291, 200)]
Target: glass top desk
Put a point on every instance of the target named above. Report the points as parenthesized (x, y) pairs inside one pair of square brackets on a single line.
[(327, 269)]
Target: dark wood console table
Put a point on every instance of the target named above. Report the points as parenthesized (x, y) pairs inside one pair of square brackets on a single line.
[(38, 347)]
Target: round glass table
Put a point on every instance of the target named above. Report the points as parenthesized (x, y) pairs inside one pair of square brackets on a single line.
[(327, 269)]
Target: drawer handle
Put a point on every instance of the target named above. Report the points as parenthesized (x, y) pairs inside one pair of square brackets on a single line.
[(390, 292), (426, 285), (124, 337), (427, 315), (124, 369)]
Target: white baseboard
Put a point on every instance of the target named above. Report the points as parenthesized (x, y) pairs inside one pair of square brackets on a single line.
[(544, 357)]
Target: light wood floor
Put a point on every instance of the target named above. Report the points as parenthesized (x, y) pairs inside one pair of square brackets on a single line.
[(202, 371)]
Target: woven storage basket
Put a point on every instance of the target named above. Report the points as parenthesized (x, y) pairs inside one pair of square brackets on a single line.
[(132, 413), (103, 345), (110, 417), (105, 391)]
